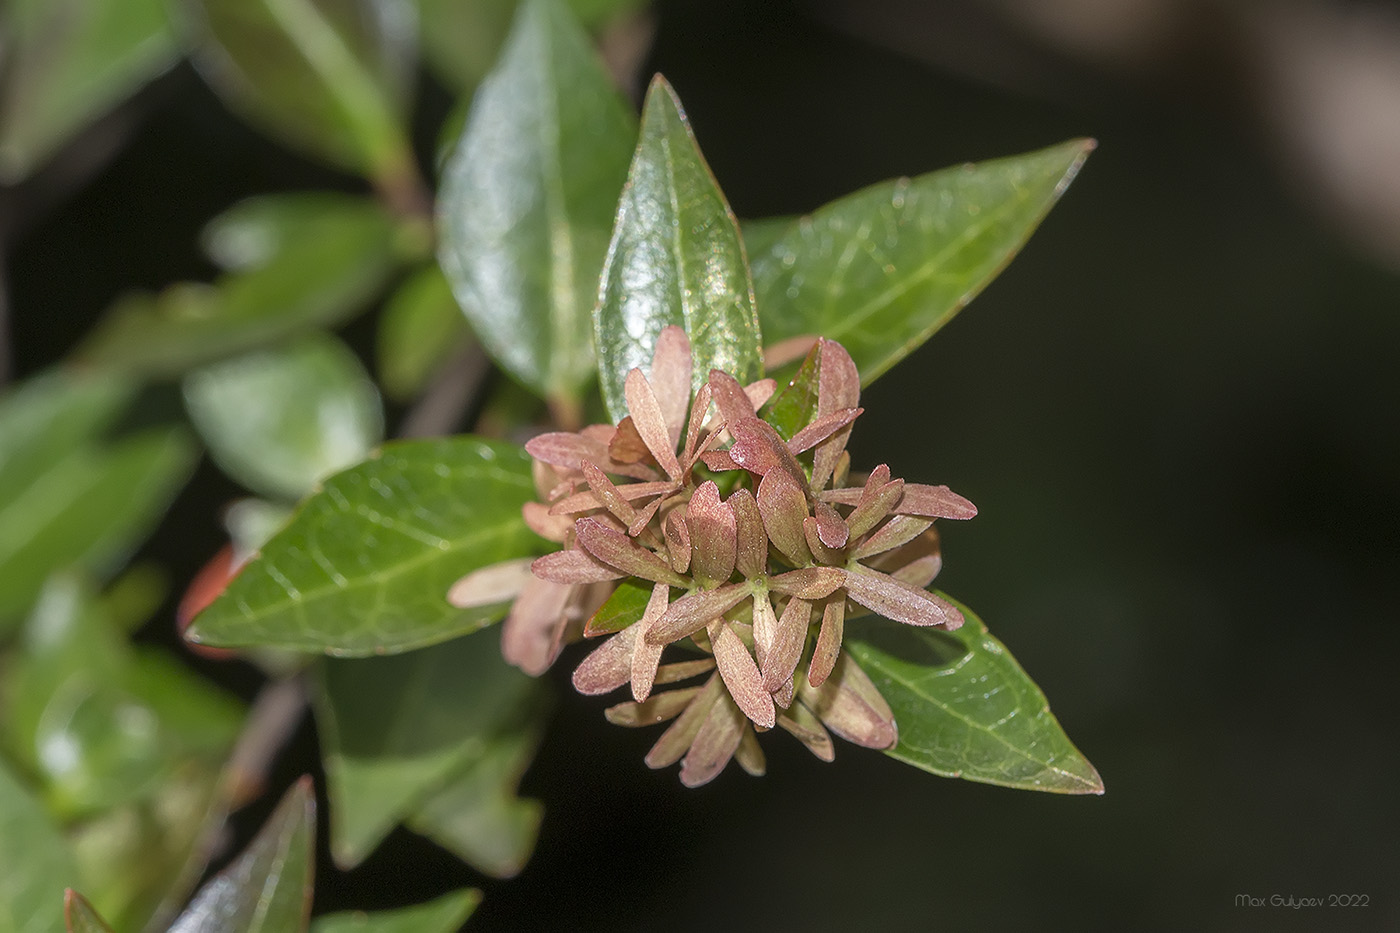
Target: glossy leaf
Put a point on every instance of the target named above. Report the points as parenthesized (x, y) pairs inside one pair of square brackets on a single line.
[(395, 729), (364, 566), (280, 420), (882, 269), (675, 258), (330, 77), (35, 864), (446, 914), (79, 915), (478, 815), (69, 61), (420, 329), (966, 709), (528, 198), (267, 889), (88, 509), (344, 252)]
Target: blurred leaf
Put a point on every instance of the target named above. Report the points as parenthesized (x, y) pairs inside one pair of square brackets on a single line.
[(528, 198), (135, 596), (760, 235), (341, 257), (394, 729), (420, 329), (478, 815), (461, 40), (89, 509), (882, 269), (251, 523), (446, 914), (966, 709), (281, 419), (35, 865), (66, 63), (364, 566), (79, 915), (268, 888), (330, 77), (675, 258), (254, 232)]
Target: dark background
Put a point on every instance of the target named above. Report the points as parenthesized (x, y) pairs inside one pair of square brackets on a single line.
[(1177, 413)]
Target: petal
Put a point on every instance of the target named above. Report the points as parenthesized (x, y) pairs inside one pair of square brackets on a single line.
[(719, 461), (765, 626), (551, 527), (713, 536), (683, 670), (760, 450), (874, 505), (820, 552), (677, 541), (678, 737), (800, 722), (791, 638), (783, 509), (934, 501), (758, 393), (715, 743), (896, 532), (752, 540), (809, 582), (658, 709), (850, 705), (749, 754), (607, 494), (892, 599), (699, 411), (693, 612), (741, 674), (616, 549), (573, 566), (831, 528), (589, 500), (828, 647), (822, 428), (646, 656), (733, 404), (778, 355), (651, 423), (528, 635), (496, 583), (670, 378), (562, 449), (921, 571), (609, 666), (838, 387), (627, 445)]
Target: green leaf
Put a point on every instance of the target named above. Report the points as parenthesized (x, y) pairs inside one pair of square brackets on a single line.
[(624, 607), (446, 914), (329, 77), (364, 566), (35, 865), (280, 420), (966, 709), (528, 198), (340, 259), (675, 258), (794, 407), (395, 729), (420, 329), (478, 815), (89, 509), (882, 269), (69, 61), (79, 915), (268, 888)]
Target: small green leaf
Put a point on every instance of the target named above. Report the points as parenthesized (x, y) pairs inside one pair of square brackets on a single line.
[(624, 607), (882, 269), (793, 408), (420, 329), (478, 815), (279, 420), (395, 729), (528, 199), (966, 709), (66, 64), (675, 258), (446, 914), (344, 252), (35, 864), (364, 566), (268, 888), (89, 509), (330, 77), (79, 915)]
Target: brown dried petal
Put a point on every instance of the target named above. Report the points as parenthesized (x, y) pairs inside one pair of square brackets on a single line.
[(821, 428), (713, 536), (528, 636), (808, 729), (719, 461), (607, 493), (573, 566), (850, 706), (741, 674), (791, 638), (896, 532), (874, 505), (892, 599), (609, 666), (646, 656), (616, 549), (677, 541), (714, 744), (749, 754), (651, 423), (627, 445), (496, 583), (828, 647), (809, 582), (694, 611), (820, 552), (670, 378), (562, 449), (752, 539), (759, 449), (654, 711), (683, 670), (783, 509), (934, 502), (678, 737)]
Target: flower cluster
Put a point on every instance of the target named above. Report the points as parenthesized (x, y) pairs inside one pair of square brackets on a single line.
[(770, 541)]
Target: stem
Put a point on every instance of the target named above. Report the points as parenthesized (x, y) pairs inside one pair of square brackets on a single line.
[(566, 412), (276, 713), (450, 395)]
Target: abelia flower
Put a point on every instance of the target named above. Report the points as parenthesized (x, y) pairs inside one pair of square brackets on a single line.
[(752, 551)]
